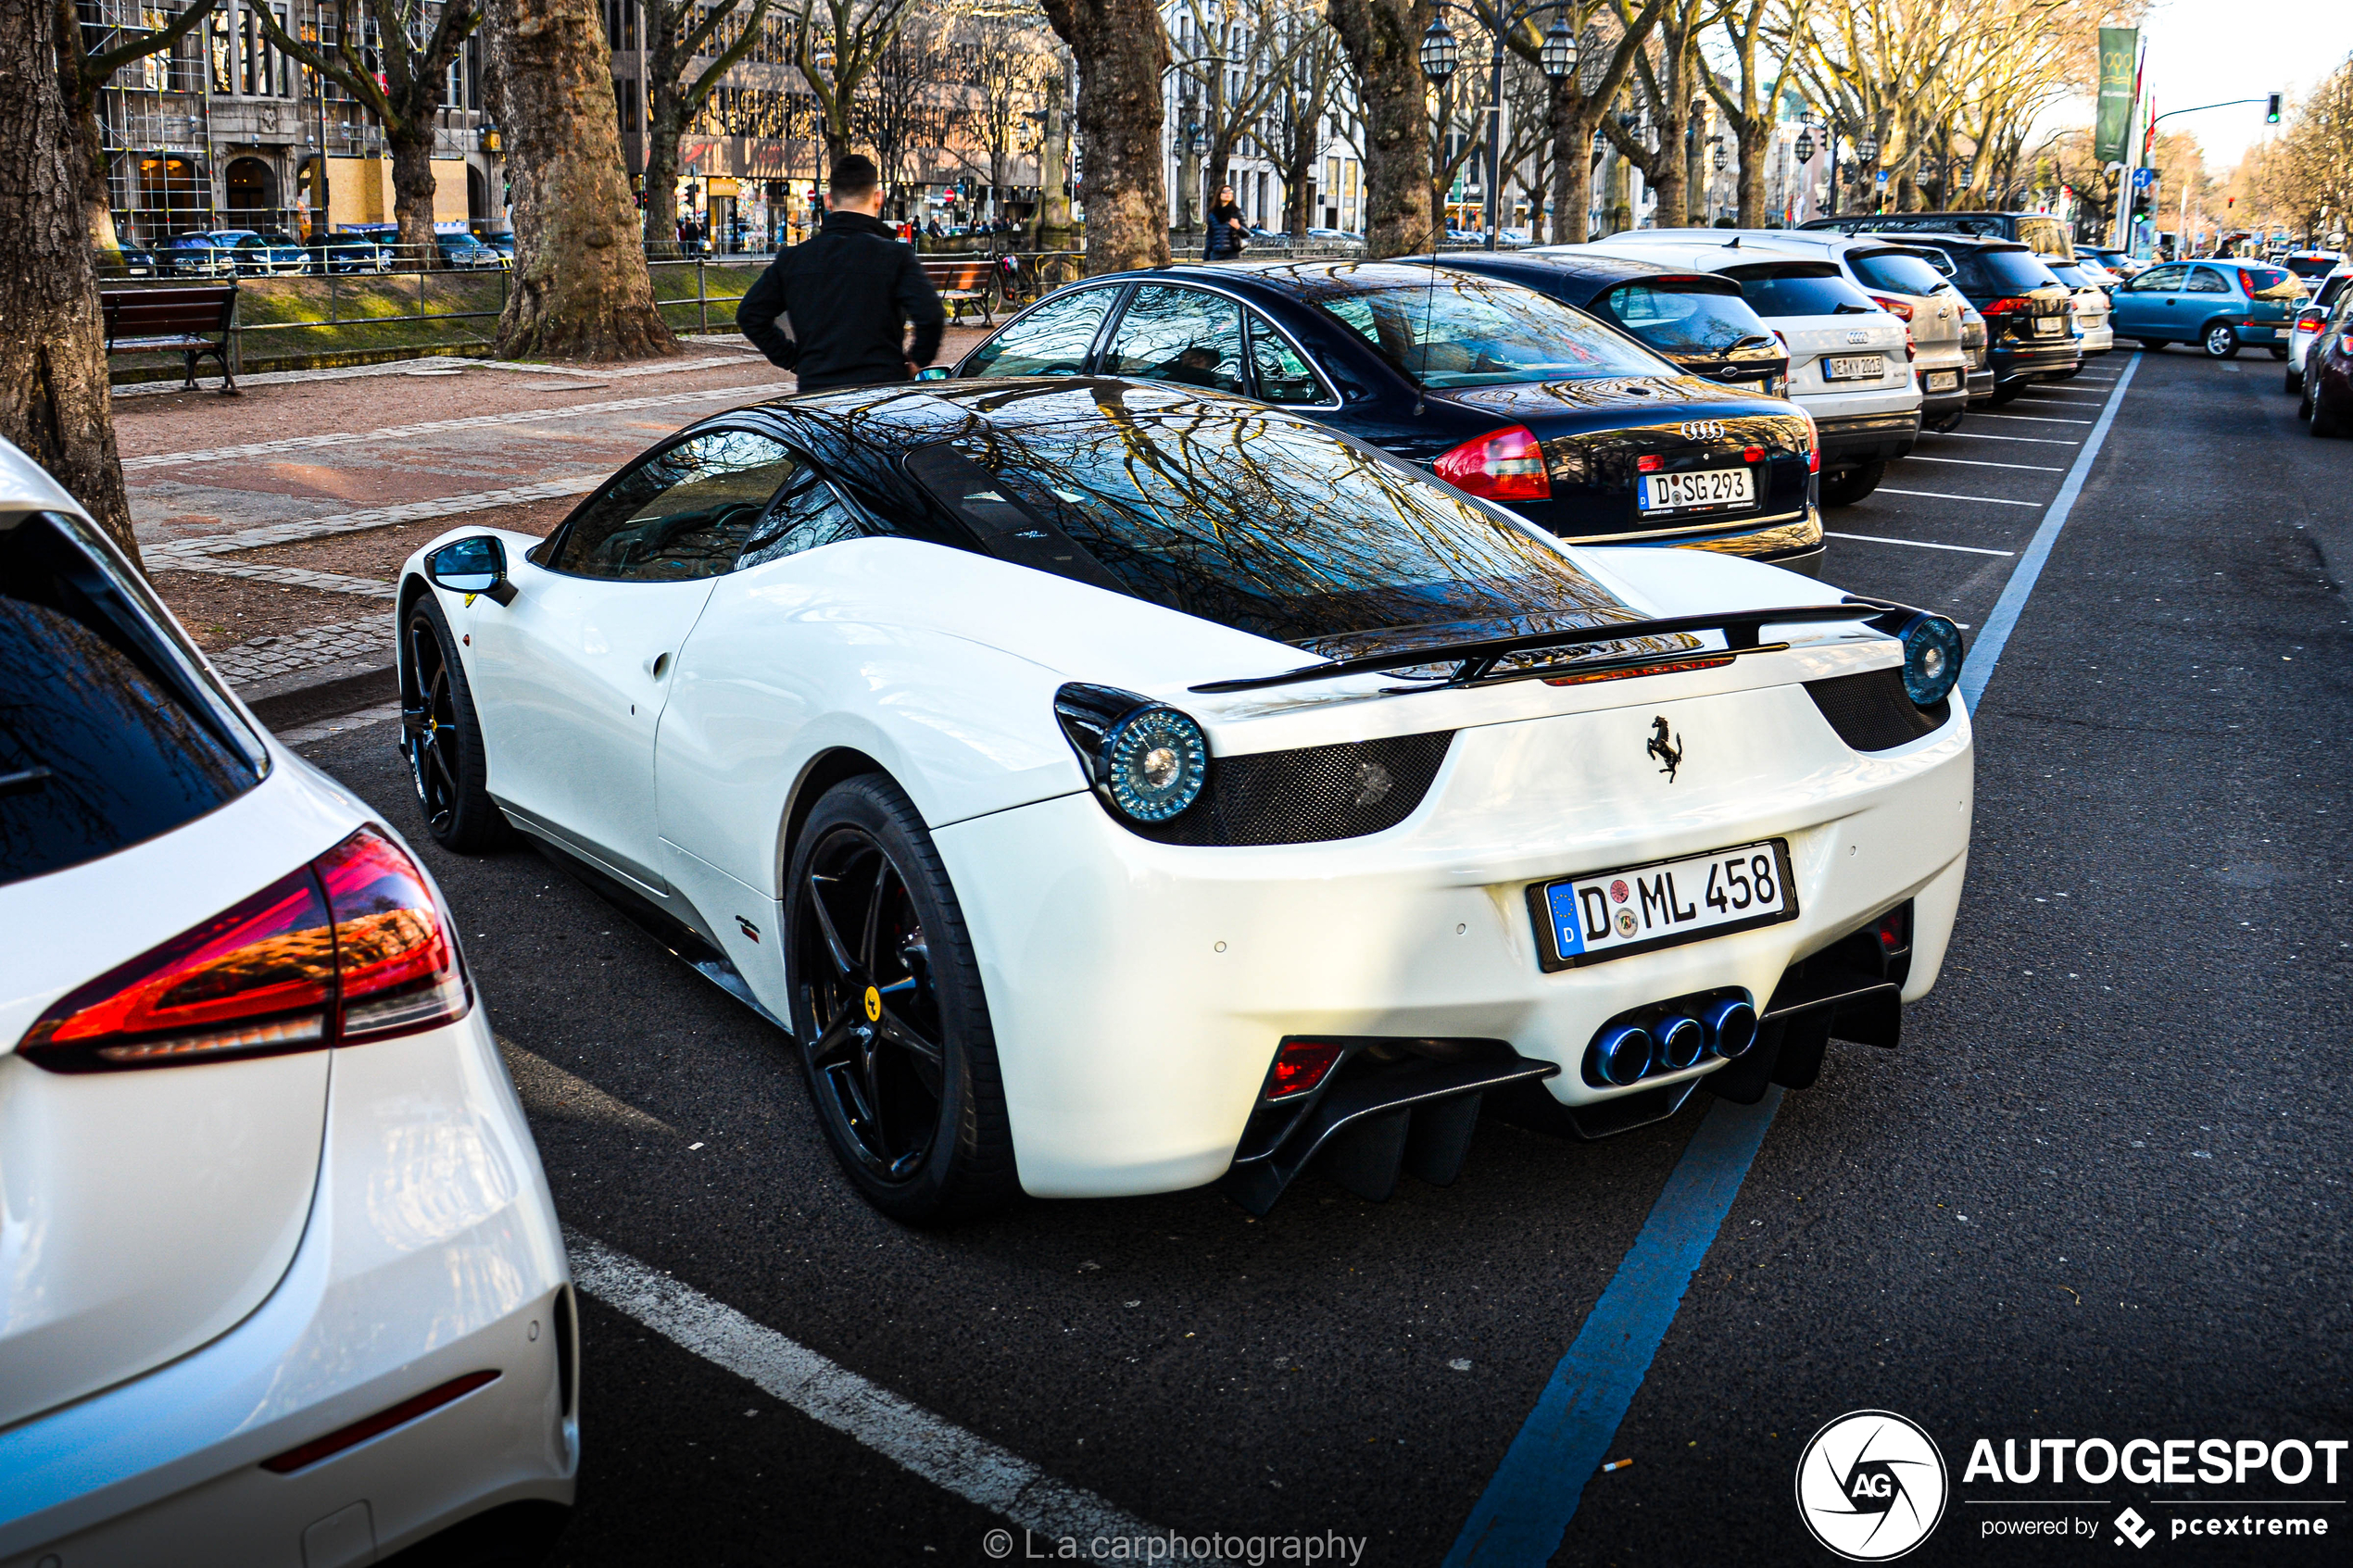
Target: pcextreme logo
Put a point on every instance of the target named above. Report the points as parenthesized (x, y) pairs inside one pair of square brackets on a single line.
[(1870, 1485)]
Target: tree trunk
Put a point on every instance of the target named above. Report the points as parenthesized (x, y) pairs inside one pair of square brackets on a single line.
[(1572, 165), (1053, 166), (580, 289), (1382, 39), (1296, 175), (1753, 135), (662, 173), (90, 151), (54, 404), (1122, 53), (412, 197)]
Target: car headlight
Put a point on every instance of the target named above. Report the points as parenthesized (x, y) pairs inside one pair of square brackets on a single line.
[(1932, 658)]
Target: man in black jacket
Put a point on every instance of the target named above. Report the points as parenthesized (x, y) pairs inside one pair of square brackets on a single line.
[(835, 308)]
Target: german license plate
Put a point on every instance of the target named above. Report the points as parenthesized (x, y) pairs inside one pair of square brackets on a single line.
[(1587, 920), (1689, 492), (1854, 367), (2049, 326), (1944, 381)]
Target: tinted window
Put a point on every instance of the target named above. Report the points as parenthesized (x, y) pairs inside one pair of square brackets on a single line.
[(104, 738), (1281, 528), (1683, 318), (2269, 283), (2311, 266), (682, 513), (1181, 335), (2046, 236), (1788, 294), (1283, 376), (2005, 271), (2069, 274), (1897, 273), (1050, 341), (1452, 328), (2159, 280), (2206, 279), (808, 514)]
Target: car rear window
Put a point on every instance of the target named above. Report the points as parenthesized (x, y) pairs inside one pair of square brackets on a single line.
[(1898, 272), (1684, 316), (2269, 283), (2005, 271), (1281, 528), (1786, 291), (108, 736), (1445, 329), (2311, 266), (2046, 236)]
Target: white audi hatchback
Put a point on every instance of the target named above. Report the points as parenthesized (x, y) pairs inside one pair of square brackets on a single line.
[(280, 1282)]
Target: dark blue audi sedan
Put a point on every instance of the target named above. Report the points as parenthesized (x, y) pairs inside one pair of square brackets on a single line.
[(1501, 391)]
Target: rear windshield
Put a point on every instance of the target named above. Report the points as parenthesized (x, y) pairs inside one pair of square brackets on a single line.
[(1897, 273), (2005, 271), (1447, 329), (105, 737), (2311, 266), (1791, 294), (2070, 273), (2046, 236), (1685, 317), (2269, 283), (1286, 531)]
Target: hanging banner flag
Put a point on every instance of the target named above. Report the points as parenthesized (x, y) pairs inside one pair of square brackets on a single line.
[(2119, 47)]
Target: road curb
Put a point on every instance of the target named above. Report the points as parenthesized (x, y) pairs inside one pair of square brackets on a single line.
[(328, 691)]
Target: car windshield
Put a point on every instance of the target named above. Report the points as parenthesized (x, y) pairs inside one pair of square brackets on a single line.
[(1684, 316), (1807, 289), (1445, 328), (1283, 528), (1898, 272), (2006, 271)]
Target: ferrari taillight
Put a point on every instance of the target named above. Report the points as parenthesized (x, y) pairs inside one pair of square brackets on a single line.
[(1505, 465), (1301, 1066), (352, 946)]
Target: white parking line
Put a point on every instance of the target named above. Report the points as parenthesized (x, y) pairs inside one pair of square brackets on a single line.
[(1947, 495), (2038, 419), (942, 1452), (1915, 544), (1982, 463), (2030, 440)]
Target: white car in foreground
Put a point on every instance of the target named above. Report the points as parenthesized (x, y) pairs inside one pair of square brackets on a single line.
[(1116, 787), (280, 1280)]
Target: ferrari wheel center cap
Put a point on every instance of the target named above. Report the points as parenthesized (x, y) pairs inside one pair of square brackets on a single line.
[(874, 1005)]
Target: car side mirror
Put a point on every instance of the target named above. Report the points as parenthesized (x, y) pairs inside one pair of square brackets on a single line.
[(935, 373), (471, 566)]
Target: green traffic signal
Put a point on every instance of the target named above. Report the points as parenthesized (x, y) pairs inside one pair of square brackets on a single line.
[(2272, 109)]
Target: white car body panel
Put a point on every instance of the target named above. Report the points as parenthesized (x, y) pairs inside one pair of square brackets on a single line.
[(207, 1264), (1132, 1049)]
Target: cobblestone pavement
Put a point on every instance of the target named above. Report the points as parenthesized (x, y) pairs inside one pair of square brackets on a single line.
[(262, 657)]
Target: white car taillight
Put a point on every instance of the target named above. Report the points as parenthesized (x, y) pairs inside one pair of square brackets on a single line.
[(352, 946)]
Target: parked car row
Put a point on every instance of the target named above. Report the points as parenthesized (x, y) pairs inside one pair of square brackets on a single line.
[(256, 253)]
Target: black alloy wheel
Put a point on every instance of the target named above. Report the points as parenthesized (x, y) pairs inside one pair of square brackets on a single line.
[(441, 735), (887, 1005)]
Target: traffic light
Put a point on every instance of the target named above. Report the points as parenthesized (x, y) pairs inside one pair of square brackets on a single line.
[(2272, 109)]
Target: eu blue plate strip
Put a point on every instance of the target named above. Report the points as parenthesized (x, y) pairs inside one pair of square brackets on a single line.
[(1523, 1516)]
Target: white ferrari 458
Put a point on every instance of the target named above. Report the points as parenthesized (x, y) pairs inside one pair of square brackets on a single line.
[(1113, 787)]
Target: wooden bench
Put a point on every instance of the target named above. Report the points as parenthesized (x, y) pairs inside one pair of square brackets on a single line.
[(194, 322), (961, 280)]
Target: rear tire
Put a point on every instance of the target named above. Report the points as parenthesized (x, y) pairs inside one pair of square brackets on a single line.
[(2220, 342), (2278, 351), (889, 1009), (2327, 419), (2005, 391), (1850, 485), (2154, 345), (441, 737), (2294, 381)]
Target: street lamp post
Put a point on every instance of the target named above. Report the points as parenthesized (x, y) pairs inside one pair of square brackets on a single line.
[(1440, 54)]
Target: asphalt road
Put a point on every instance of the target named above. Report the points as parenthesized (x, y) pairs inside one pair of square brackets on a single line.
[(2098, 1193)]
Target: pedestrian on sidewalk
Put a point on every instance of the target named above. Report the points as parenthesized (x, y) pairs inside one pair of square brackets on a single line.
[(835, 308), (1229, 232)]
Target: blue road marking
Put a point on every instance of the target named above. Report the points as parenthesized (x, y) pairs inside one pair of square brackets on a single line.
[(1523, 1516)]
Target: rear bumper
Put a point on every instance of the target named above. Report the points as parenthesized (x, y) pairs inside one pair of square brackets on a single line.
[(2013, 363), (1852, 440), (403, 1282)]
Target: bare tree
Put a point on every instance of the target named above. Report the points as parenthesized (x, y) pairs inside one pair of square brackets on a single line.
[(1580, 99), (54, 404), (581, 287), (1241, 54), (1667, 73), (1000, 59), (1306, 92), (1751, 104), (1122, 53), (681, 71), (900, 105), (1383, 41), (85, 59), (836, 44), (400, 73)]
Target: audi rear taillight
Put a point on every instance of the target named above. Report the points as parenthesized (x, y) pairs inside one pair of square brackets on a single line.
[(1505, 465), (1893, 307), (350, 948)]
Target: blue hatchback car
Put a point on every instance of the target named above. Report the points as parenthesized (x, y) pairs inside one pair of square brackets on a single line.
[(2221, 306)]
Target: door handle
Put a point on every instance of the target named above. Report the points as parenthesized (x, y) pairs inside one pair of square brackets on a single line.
[(658, 666)]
